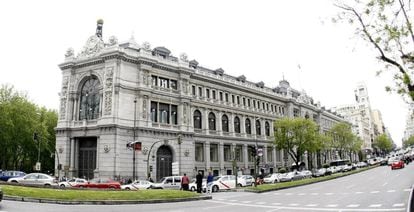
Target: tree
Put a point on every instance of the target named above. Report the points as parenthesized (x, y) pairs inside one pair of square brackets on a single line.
[(342, 138), (383, 143), (408, 142), (386, 26), (296, 136)]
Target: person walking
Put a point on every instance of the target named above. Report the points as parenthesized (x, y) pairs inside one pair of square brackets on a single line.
[(184, 182), (199, 181), (209, 182)]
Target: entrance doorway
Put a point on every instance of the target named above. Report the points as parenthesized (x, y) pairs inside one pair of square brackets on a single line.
[(164, 162), (87, 157)]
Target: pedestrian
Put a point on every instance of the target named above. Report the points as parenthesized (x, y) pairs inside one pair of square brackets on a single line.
[(184, 182), (199, 181), (209, 182)]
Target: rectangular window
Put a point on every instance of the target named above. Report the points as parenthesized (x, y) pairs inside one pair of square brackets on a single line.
[(238, 100), (272, 107), (164, 82), (258, 105), (174, 114), (193, 90), (154, 111), (249, 153), (254, 103), (227, 97), (227, 152), (232, 99), (164, 113), (199, 152), (214, 94), (208, 93), (269, 154), (173, 84), (200, 91), (296, 112), (248, 102), (214, 152), (221, 96), (154, 81), (267, 106), (239, 153)]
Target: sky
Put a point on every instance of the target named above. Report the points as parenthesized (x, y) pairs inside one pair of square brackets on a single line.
[(263, 40)]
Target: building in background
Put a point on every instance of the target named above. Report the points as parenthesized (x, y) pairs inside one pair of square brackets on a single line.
[(185, 117), (409, 125)]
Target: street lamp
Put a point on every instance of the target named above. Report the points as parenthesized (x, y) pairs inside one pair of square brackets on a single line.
[(133, 149)]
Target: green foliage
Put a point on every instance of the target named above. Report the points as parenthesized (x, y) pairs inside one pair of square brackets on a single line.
[(19, 119), (325, 166), (282, 170), (387, 26), (383, 143), (409, 142), (343, 140)]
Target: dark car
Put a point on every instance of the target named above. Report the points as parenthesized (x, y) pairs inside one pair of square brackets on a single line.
[(100, 183), (6, 175)]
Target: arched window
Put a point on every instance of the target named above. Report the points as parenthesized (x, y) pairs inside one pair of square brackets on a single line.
[(267, 129), (197, 119), (89, 99), (248, 126), (258, 128), (236, 125), (225, 123), (211, 121)]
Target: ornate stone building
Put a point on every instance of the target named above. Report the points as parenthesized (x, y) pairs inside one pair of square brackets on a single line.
[(114, 93)]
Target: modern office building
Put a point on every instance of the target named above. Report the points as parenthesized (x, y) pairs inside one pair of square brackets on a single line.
[(185, 117)]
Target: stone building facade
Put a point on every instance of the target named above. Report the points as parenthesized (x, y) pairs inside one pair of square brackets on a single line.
[(187, 117)]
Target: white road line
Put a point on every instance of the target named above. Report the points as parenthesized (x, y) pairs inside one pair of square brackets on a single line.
[(374, 192), (276, 194), (233, 200), (288, 194), (276, 203), (398, 205), (246, 201), (375, 205), (391, 191), (311, 205), (301, 194), (384, 184), (348, 187), (294, 204), (220, 199), (260, 203), (328, 193), (332, 205), (314, 193), (352, 206), (359, 192), (407, 189)]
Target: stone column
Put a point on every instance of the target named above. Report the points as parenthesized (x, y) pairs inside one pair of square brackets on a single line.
[(221, 157), (265, 154), (218, 127), (275, 159), (205, 120), (245, 157), (72, 166), (243, 125), (207, 155)]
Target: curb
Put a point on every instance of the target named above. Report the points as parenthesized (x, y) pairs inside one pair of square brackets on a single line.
[(101, 202), (293, 186)]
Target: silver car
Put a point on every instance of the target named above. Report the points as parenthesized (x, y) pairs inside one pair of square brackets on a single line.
[(35, 179)]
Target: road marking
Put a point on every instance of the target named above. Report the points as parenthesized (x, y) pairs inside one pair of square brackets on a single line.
[(407, 189), (294, 204), (288, 194), (221, 199), (328, 193), (233, 200), (301, 194), (398, 205), (374, 192), (391, 191), (208, 208), (314, 193), (384, 184), (246, 201), (276, 203), (359, 192), (375, 205), (311, 205), (348, 187), (352, 206), (332, 205), (276, 194), (397, 175), (260, 203)]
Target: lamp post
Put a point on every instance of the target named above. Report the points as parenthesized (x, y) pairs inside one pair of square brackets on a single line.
[(133, 147)]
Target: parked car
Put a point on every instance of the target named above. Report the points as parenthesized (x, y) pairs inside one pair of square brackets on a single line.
[(319, 172), (1, 195), (361, 164), (35, 179), (6, 175), (306, 173), (224, 182), (100, 183), (383, 162), (347, 168), (399, 164), (137, 185), (245, 180), (170, 182), (71, 182), (193, 186), (286, 177), (333, 169), (272, 178)]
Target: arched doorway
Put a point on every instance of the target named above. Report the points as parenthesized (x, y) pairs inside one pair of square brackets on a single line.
[(87, 157), (164, 162)]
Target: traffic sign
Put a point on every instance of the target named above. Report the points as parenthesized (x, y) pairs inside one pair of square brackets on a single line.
[(38, 166)]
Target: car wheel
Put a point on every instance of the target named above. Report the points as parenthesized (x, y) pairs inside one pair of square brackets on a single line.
[(240, 185), (81, 187), (48, 185), (127, 188), (62, 185), (215, 188), (192, 188), (275, 181)]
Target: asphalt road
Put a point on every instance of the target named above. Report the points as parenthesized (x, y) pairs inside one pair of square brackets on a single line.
[(378, 189)]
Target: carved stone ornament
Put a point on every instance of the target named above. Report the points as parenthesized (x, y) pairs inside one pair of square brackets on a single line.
[(187, 152), (107, 149), (108, 90), (144, 108), (69, 52), (63, 97), (146, 45), (113, 41), (184, 57), (93, 46)]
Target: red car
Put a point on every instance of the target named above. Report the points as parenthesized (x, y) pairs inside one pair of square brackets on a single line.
[(100, 183), (398, 164)]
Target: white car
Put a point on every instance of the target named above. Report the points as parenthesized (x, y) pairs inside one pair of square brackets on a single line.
[(193, 186), (272, 178), (224, 182), (137, 185), (245, 180), (286, 177), (333, 169), (71, 182), (306, 173), (35, 179)]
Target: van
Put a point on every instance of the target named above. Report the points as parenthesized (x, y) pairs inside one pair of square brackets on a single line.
[(170, 182)]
